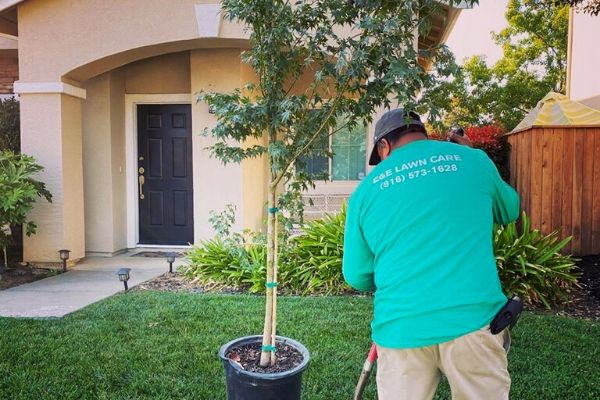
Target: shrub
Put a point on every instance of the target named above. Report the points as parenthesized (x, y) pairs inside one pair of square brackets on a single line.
[(19, 191), (231, 259), (234, 265), (530, 263), (314, 264), (310, 263), (490, 139), (9, 125)]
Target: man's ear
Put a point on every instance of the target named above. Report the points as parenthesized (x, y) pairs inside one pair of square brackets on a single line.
[(383, 149)]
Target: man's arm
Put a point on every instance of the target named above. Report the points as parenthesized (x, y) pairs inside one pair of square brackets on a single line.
[(358, 259), (506, 204)]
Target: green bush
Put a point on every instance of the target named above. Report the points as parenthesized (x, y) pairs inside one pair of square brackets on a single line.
[(233, 265), (9, 125), (236, 260), (530, 263), (310, 263), (18, 192), (314, 258)]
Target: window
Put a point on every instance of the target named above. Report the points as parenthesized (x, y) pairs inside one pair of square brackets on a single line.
[(349, 156), (317, 164)]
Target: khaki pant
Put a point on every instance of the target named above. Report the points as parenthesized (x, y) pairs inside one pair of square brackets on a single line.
[(475, 365)]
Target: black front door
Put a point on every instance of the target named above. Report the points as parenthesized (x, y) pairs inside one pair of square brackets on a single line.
[(165, 174)]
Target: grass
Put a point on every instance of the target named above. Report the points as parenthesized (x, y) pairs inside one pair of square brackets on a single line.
[(157, 345)]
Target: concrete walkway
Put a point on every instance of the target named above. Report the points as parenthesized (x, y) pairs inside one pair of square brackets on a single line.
[(91, 280)]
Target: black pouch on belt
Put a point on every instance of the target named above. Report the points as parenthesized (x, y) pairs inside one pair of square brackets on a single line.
[(508, 315)]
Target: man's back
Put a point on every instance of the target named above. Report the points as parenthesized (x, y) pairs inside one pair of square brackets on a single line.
[(419, 231)]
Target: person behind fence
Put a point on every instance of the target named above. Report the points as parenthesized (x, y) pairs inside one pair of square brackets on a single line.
[(419, 235)]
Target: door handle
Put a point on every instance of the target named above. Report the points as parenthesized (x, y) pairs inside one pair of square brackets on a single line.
[(141, 181)]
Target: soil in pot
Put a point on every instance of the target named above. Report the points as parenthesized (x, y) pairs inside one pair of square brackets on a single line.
[(248, 357), (283, 381)]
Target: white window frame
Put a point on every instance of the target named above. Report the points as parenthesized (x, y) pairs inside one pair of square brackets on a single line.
[(339, 187)]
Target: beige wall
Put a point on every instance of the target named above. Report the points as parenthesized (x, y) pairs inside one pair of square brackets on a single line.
[(76, 41), (119, 201), (215, 185), (255, 174), (68, 34), (103, 164), (169, 73), (97, 177), (585, 62), (52, 123)]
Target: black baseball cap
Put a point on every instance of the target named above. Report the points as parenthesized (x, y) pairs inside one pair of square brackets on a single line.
[(392, 121)]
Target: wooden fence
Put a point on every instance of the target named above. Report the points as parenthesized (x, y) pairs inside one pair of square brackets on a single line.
[(556, 170)]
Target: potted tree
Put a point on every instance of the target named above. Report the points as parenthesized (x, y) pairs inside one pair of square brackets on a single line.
[(321, 67)]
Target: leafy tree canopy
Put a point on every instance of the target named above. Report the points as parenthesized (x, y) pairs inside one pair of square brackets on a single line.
[(587, 6), (533, 63), (358, 55)]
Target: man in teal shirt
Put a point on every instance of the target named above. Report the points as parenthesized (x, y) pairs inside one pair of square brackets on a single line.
[(419, 235)]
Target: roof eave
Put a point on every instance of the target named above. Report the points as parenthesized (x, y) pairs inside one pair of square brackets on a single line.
[(6, 4)]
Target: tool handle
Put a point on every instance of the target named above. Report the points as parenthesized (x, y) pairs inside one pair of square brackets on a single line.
[(372, 353), (366, 371)]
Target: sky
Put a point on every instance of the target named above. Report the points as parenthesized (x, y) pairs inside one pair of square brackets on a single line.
[(471, 33)]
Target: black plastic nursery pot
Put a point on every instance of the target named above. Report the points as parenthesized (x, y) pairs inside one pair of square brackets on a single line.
[(245, 385)]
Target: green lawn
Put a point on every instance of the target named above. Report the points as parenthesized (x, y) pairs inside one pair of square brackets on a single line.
[(158, 345)]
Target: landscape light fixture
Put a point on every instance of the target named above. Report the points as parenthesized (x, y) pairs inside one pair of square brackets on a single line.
[(123, 274), (171, 259), (64, 256)]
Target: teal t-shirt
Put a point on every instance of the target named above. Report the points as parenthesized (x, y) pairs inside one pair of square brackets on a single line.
[(419, 234)]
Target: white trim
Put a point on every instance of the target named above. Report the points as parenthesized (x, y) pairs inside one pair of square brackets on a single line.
[(49, 87), (131, 102), (4, 4)]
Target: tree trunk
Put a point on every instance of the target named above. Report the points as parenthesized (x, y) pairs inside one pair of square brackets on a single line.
[(267, 356), (275, 268)]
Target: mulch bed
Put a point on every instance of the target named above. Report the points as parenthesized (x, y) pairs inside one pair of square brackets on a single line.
[(19, 275), (248, 357), (584, 302), (176, 282)]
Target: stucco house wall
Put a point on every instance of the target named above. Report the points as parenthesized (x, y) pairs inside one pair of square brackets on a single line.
[(584, 64), (104, 163), (81, 64)]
